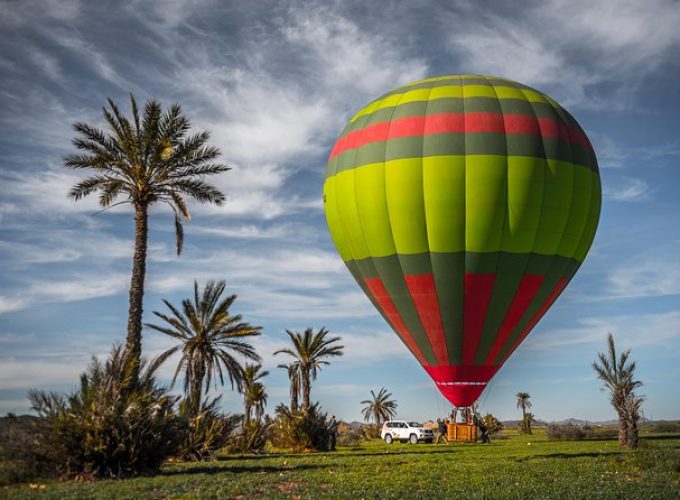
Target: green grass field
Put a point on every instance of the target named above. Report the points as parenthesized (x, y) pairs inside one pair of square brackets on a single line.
[(517, 467)]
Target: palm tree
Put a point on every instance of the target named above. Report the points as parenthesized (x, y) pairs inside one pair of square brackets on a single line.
[(147, 161), (309, 351), (524, 403), (254, 394), (294, 377), (380, 407), (209, 336), (617, 374)]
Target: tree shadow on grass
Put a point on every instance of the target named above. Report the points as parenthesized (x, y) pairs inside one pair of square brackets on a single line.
[(591, 454), (661, 437), (215, 469), (343, 453)]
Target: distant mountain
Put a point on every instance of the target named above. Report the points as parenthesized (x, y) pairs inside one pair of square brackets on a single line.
[(566, 421)]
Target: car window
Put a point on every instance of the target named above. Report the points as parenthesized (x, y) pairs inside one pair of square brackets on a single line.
[(414, 424)]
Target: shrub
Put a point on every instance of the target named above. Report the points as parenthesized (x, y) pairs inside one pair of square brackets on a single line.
[(105, 428), (664, 427), (207, 432), (572, 432), (371, 432), (251, 438), (493, 425), (525, 424), (299, 430), (23, 454)]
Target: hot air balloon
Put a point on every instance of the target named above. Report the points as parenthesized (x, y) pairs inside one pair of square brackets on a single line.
[(462, 205)]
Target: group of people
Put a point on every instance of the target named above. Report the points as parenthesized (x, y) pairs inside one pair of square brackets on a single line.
[(469, 418)]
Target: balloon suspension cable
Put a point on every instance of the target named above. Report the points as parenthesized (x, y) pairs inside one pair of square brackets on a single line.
[(486, 394)]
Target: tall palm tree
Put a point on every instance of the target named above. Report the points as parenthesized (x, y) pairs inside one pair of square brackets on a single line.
[(254, 394), (144, 161), (294, 377), (209, 337), (309, 350), (523, 402), (380, 407), (618, 373)]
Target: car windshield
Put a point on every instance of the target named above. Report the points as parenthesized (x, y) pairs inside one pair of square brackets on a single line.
[(414, 424)]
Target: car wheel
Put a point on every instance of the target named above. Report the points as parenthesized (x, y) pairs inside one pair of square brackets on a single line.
[(413, 438), (388, 438)]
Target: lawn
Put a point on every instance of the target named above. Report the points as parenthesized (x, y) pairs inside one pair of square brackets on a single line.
[(516, 467)]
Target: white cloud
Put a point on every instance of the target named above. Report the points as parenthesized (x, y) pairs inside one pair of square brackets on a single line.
[(629, 331), (628, 189), (349, 57), (80, 286), (624, 41), (12, 303), (651, 274)]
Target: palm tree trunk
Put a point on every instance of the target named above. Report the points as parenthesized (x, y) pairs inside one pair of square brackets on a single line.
[(306, 383), (133, 345), (623, 430), (294, 392), (195, 396)]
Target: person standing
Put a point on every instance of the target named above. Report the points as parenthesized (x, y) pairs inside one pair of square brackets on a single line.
[(441, 431), (483, 429), (333, 431)]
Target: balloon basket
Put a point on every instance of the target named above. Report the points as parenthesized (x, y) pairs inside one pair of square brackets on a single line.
[(465, 433)]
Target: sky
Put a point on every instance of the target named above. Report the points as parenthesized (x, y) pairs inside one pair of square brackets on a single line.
[(275, 83)]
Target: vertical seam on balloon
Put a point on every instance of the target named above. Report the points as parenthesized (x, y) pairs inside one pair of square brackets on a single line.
[(533, 245), (507, 203), (427, 237), (596, 174), (389, 218), (553, 260), (345, 232), (461, 326), (571, 202)]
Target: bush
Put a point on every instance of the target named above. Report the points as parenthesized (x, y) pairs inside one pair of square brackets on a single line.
[(206, 433), (23, 454), (251, 438), (571, 432), (102, 429), (664, 427), (370, 432), (493, 425), (300, 431)]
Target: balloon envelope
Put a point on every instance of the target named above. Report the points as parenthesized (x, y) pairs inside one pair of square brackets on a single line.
[(462, 205)]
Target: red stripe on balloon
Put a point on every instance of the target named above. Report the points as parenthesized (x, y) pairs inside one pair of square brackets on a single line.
[(459, 123), (477, 292), (377, 289), (554, 293), (525, 294), (424, 295), (461, 384)]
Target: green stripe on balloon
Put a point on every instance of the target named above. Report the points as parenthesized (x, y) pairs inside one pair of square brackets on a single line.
[(482, 144)]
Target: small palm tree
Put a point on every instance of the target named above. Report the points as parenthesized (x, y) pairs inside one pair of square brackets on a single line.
[(144, 161), (209, 336), (309, 350), (618, 373), (254, 394), (294, 377), (524, 403), (380, 407)]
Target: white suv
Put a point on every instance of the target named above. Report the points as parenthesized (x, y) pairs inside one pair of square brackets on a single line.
[(403, 431)]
